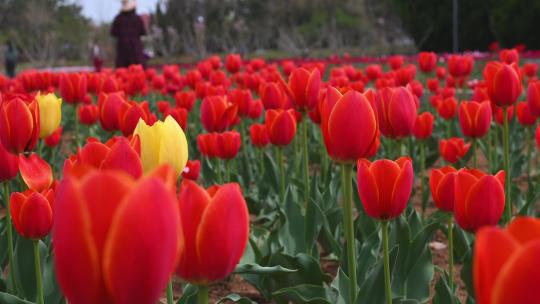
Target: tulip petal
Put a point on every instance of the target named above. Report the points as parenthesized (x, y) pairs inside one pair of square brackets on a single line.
[(485, 202), (518, 279), (173, 147), (193, 201), (36, 173), (142, 246), (224, 228), (35, 217), (525, 229), (402, 189), (150, 137), (123, 157), (487, 262), (81, 284)]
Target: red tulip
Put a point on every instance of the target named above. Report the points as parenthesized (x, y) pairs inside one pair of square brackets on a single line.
[(537, 136), (212, 221), (423, 126), (395, 62), (117, 154), (271, 96), (440, 72), (88, 114), (460, 66), (259, 135), (185, 99), (349, 126), (9, 165), (453, 149), (304, 86), (427, 61), (405, 75), (447, 108), (180, 115), (533, 97), (385, 186), (109, 106), (207, 144), (530, 69), (32, 213), (73, 87), (474, 118), (433, 85), (374, 71), (192, 170), (441, 183), (19, 124), (504, 263), (499, 116), (396, 109), (217, 114), (503, 83), (233, 62), (479, 198), (281, 126), (228, 144), (36, 173), (54, 139), (130, 113), (243, 99), (256, 109), (105, 223), (524, 114), (509, 56)]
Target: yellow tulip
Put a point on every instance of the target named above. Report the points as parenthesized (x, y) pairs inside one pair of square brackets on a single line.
[(50, 114), (162, 143)]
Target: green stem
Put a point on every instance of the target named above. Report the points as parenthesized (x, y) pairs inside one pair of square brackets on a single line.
[(451, 251), (39, 283), (281, 174), (227, 170), (324, 163), (170, 296), (475, 147), (507, 166), (422, 173), (11, 275), (218, 169), (348, 223), (449, 128), (261, 164), (306, 159), (529, 163), (202, 295), (387, 278), (76, 122)]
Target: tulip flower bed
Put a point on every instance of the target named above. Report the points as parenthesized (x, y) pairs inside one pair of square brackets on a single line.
[(409, 180)]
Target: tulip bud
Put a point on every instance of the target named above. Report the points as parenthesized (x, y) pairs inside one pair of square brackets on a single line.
[(259, 135), (423, 126), (19, 125), (474, 118), (192, 170), (228, 144), (385, 186), (32, 213), (427, 61), (88, 114), (54, 139), (479, 198), (162, 143), (397, 110), (212, 221), (503, 83), (304, 86), (441, 182), (453, 149), (50, 114), (349, 126), (217, 114), (524, 115), (281, 126)]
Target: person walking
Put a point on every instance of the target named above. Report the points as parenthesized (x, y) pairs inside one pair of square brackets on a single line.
[(10, 59), (128, 28)]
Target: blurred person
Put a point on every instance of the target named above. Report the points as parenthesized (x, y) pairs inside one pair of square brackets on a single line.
[(97, 57), (10, 59), (128, 28)]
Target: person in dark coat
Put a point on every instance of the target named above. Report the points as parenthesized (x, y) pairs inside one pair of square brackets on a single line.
[(128, 28)]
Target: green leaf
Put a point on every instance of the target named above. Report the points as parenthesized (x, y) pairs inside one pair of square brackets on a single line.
[(25, 275), (443, 293), (236, 299), (372, 289), (260, 270), (304, 293), (189, 295), (6, 298)]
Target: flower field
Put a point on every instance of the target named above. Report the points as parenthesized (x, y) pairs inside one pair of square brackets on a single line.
[(399, 179)]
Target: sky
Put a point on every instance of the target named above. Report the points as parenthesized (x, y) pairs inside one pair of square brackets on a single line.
[(105, 10)]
